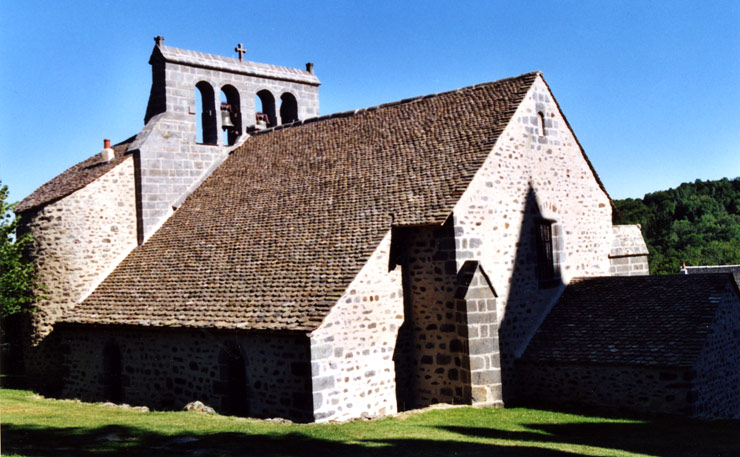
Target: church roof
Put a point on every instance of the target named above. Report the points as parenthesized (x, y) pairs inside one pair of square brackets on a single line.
[(276, 234), (630, 320), (74, 178)]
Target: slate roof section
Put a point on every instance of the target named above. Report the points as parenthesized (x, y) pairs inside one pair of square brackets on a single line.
[(276, 234), (74, 178), (704, 269), (656, 321)]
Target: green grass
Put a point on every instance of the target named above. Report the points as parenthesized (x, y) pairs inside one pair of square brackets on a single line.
[(34, 426)]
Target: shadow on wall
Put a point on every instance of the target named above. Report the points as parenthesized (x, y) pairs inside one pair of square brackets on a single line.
[(535, 283), (430, 357), (659, 438)]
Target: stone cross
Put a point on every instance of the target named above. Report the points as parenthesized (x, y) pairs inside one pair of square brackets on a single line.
[(159, 40), (240, 50)]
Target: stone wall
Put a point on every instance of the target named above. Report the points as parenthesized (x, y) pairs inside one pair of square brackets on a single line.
[(629, 253), (717, 386), (530, 177), (168, 368), (639, 389), (352, 370), (78, 239)]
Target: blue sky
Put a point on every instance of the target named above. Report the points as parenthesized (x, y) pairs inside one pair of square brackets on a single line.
[(652, 89)]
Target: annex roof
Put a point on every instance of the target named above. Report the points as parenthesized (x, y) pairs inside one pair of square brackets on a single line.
[(630, 320), (74, 178)]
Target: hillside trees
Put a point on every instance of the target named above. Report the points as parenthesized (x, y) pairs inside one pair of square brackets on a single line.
[(17, 276), (697, 223)]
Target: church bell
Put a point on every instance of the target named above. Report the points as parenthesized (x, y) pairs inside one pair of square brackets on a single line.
[(226, 117)]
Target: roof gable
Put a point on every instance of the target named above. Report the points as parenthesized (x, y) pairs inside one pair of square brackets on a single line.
[(630, 320), (74, 178), (274, 236)]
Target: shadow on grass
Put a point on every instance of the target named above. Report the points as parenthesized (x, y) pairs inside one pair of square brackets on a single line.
[(659, 438), (114, 441)]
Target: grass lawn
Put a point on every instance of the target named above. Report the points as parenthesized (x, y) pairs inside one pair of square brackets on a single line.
[(34, 426)]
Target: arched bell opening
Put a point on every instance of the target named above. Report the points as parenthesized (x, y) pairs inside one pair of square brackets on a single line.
[(288, 108), (231, 118), (206, 127), (264, 103)]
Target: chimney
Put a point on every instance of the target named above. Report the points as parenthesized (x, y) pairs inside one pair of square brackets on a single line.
[(107, 154), (309, 67)]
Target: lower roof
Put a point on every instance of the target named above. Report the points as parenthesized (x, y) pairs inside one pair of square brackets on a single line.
[(630, 320)]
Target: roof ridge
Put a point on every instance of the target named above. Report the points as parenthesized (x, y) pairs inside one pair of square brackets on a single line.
[(404, 101)]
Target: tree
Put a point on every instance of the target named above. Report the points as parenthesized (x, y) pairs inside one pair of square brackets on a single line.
[(697, 223), (17, 275)]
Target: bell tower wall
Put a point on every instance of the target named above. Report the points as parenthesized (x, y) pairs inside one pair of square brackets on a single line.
[(183, 140)]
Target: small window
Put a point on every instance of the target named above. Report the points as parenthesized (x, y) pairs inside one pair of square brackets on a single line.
[(545, 253), (541, 123)]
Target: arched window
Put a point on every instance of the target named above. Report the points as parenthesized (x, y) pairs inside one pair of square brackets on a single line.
[(230, 106), (541, 123), (288, 108), (205, 118), (264, 103), (112, 386), (234, 378)]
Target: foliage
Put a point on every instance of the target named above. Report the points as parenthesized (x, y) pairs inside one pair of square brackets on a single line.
[(17, 276), (34, 426), (697, 223)]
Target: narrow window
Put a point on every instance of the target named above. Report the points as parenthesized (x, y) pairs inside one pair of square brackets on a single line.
[(112, 386), (264, 104), (545, 259), (205, 119), (541, 123), (288, 108)]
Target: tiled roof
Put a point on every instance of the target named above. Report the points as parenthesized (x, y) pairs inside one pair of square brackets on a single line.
[(74, 178), (275, 235), (629, 320)]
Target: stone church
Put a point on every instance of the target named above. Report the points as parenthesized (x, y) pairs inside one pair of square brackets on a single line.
[(244, 251)]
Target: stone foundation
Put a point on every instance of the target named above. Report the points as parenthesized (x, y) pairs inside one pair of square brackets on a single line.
[(168, 368), (608, 388)]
